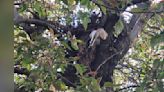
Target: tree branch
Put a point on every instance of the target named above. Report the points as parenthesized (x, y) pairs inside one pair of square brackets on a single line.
[(132, 86), (123, 10), (21, 21), (106, 60), (38, 22)]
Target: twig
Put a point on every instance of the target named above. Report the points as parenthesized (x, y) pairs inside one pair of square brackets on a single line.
[(107, 60), (132, 86), (64, 78)]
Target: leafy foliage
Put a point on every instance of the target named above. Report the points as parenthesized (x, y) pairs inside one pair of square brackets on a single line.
[(46, 57)]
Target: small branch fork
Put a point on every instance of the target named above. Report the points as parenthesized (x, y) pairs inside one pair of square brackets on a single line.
[(106, 60), (94, 73)]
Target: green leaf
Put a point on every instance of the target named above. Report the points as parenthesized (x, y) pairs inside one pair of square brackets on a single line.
[(109, 84), (161, 75), (119, 26), (103, 10), (80, 68), (85, 19), (39, 9), (85, 22), (68, 20), (86, 80), (59, 84), (65, 45), (22, 34), (102, 7), (84, 2), (79, 41), (23, 7), (74, 44), (37, 6), (94, 85), (156, 40), (158, 17), (73, 58), (26, 62), (70, 2), (161, 48)]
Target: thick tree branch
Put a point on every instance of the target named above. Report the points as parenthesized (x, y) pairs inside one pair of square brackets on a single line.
[(21, 21), (38, 22)]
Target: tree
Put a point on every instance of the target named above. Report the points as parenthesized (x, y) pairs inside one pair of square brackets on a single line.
[(52, 45)]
